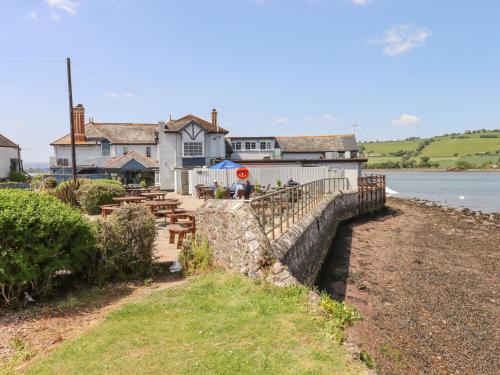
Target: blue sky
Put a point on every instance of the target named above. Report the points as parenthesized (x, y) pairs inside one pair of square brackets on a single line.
[(398, 68)]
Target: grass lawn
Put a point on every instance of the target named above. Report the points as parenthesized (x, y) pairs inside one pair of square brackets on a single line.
[(462, 146), (215, 324), (390, 146)]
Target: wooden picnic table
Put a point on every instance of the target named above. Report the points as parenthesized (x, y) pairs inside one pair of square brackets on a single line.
[(154, 195), (129, 199), (137, 191), (108, 209), (158, 205)]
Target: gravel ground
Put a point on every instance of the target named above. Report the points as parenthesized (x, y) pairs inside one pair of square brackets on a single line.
[(426, 281)]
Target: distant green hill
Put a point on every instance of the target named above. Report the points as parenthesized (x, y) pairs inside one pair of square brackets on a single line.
[(472, 149)]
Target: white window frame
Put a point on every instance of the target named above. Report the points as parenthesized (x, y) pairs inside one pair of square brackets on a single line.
[(250, 144), (193, 156), (267, 145), (236, 145)]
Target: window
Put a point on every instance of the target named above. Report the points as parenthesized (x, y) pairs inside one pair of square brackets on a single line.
[(250, 145), (105, 148), (354, 154), (125, 150), (341, 155), (148, 152), (236, 146), (265, 145), (193, 149)]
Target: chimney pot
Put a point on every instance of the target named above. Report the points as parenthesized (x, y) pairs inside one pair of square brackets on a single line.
[(79, 123)]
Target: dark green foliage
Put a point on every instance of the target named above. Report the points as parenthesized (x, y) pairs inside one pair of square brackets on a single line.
[(125, 244), (40, 236), (488, 136), (67, 191), (93, 195), (18, 177), (462, 164)]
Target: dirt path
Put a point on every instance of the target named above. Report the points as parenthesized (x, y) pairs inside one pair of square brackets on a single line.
[(426, 281)]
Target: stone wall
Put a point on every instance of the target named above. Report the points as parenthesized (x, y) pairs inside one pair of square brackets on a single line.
[(304, 247), (239, 242), (234, 233)]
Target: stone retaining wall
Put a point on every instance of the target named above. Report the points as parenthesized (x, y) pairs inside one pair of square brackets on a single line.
[(233, 230)]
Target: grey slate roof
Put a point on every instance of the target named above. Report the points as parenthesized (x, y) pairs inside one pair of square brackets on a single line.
[(321, 143), (6, 142), (177, 125), (117, 133), (133, 155)]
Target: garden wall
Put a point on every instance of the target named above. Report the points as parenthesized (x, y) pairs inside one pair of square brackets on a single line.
[(233, 231)]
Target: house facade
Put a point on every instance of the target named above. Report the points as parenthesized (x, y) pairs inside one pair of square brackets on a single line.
[(187, 143), (323, 147), (99, 145), (10, 157)]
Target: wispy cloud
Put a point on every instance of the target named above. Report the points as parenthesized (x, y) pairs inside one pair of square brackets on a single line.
[(112, 94), (128, 93), (55, 16), (402, 38), (406, 120), (280, 120), (18, 125), (359, 2), (33, 16), (68, 6), (322, 118)]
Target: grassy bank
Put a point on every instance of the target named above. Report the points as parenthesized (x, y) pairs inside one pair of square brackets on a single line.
[(478, 148), (215, 324)]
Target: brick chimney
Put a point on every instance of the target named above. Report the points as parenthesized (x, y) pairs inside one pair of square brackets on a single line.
[(79, 123), (214, 119)]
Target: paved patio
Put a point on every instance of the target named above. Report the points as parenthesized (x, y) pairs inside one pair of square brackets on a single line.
[(168, 252)]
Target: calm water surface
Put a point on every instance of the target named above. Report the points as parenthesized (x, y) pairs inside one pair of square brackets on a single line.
[(479, 191)]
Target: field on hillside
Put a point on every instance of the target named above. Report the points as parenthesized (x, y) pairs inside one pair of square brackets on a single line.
[(474, 148)]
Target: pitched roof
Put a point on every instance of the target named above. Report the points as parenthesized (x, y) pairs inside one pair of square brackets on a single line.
[(117, 133), (321, 143), (6, 142), (132, 155), (177, 125)]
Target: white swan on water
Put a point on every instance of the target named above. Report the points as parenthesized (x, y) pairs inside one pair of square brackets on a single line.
[(390, 191)]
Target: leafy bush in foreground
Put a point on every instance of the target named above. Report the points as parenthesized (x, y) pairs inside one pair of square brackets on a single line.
[(125, 244), (67, 191), (17, 177), (197, 257), (40, 236), (94, 194)]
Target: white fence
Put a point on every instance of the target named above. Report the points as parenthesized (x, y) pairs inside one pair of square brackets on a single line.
[(265, 176)]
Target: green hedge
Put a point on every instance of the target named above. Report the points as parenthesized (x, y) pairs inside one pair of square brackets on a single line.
[(125, 244), (40, 237), (94, 194)]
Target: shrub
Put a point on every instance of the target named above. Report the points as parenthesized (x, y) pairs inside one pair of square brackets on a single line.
[(93, 195), (462, 164), (18, 177), (107, 181), (40, 183), (197, 257), (67, 191), (49, 183), (338, 316), (40, 236), (125, 244)]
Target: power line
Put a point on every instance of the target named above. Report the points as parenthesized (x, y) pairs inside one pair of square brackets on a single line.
[(124, 87), (31, 61)]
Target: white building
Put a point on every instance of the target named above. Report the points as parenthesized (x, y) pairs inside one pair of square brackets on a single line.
[(187, 143), (129, 150), (10, 157), (322, 147)]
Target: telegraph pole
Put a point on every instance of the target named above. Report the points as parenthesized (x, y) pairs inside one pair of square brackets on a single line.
[(72, 124)]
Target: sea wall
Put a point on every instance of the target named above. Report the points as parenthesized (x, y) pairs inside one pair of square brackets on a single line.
[(303, 248), (233, 230)]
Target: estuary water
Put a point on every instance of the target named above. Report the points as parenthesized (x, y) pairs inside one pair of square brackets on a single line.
[(478, 191)]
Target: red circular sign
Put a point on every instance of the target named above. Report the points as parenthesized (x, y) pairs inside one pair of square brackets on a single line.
[(242, 173)]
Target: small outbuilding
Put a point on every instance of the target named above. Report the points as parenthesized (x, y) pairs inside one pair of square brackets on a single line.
[(10, 157)]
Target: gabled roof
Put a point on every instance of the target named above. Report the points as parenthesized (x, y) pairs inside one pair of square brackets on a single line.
[(132, 155), (177, 125), (321, 143), (117, 133), (6, 142)]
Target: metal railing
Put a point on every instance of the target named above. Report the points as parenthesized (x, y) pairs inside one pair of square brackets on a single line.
[(280, 209)]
